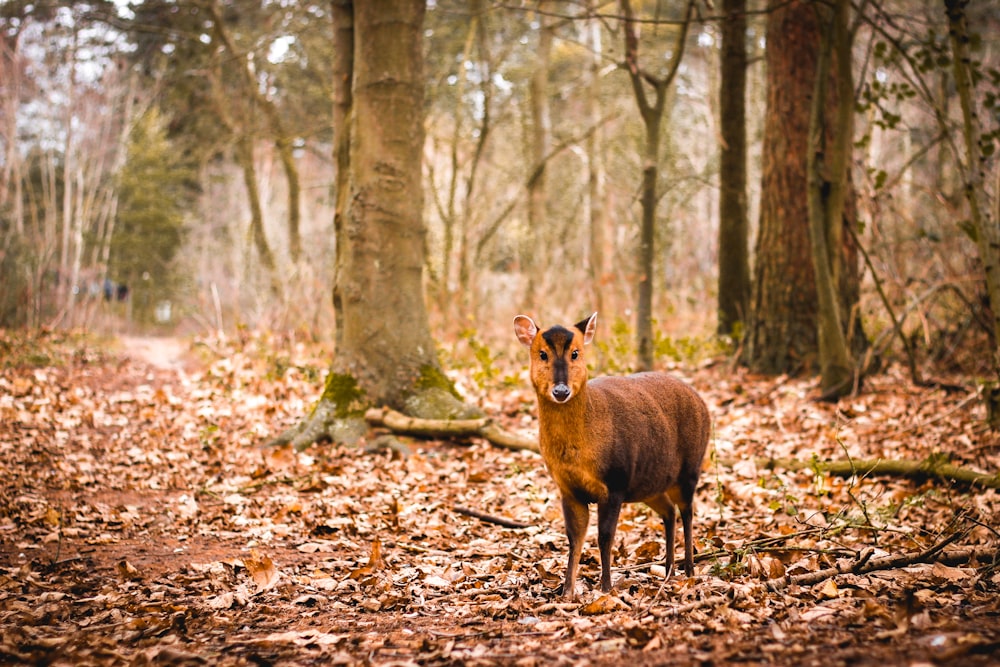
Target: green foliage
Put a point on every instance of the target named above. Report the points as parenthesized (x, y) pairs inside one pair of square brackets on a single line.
[(432, 377), (617, 348), (149, 225), (486, 371)]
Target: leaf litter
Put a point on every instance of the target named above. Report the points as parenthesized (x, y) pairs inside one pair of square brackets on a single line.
[(141, 522)]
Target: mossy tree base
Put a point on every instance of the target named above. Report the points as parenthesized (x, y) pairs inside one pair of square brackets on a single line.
[(339, 414)]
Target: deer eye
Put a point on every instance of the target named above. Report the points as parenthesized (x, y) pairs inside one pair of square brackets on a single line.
[(543, 355), (575, 355)]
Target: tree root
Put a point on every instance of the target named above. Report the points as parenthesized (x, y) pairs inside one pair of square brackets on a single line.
[(483, 427), (321, 424)]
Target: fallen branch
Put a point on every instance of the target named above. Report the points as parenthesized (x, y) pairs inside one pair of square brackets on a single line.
[(402, 424), (933, 468), (498, 520)]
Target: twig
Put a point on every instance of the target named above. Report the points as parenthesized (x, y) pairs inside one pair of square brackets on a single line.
[(498, 520)]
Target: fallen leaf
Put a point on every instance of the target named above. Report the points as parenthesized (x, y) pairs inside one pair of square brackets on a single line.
[(263, 572)]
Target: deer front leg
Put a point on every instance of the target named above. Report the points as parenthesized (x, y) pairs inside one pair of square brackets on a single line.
[(576, 515)]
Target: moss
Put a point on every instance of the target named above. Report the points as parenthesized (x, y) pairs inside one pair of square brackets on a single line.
[(432, 377), (343, 393)]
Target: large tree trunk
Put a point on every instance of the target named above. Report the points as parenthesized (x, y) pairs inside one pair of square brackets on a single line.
[(734, 264), (386, 355), (782, 335)]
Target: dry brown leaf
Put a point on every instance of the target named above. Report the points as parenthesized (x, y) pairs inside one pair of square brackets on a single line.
[(262, 570)]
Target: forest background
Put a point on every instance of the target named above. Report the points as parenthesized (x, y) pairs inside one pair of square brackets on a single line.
[(793, 205), (170, 167)]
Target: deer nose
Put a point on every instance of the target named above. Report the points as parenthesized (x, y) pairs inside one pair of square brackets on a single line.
[(560, 393)]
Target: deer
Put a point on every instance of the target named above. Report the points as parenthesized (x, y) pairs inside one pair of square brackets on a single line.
[(613, 440)]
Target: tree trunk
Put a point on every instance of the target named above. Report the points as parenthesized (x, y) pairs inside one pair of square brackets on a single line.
[(984, 224), (734, 265), (599, 251), (652, 117), (386, 354), (343, 73), (244, 156), (541, 140), (827, 163), (782, 335), (282, 141)]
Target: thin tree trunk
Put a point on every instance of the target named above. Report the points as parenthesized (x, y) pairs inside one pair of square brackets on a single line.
[(827, 185), (343, 76), (541, 140), (279, 134), (598, 251), (734, 263), (652, 116), (986, 227), (244, 156)]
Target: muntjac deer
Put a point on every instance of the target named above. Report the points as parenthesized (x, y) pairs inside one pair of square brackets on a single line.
[(613, 440)]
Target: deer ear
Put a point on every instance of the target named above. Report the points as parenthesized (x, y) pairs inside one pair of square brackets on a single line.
[(588, 327), (525, 329)]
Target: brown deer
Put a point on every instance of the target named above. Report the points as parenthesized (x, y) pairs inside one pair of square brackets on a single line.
[(613, 440)]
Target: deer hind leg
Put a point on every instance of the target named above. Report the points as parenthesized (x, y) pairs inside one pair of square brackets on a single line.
[(607, 523), (664, 506)]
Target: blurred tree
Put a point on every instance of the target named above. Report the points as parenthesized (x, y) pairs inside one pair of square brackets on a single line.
[(980, 148), (540, 147), (651, 112), (153, 194), (386, 355), (734, 261)]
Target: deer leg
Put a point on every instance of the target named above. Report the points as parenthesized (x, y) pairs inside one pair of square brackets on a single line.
[(607, 524), (576, 515)]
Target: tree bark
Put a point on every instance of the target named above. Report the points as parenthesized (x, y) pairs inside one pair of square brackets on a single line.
[(827, 163), (734, 263), (783, 332), (986, 227), (343, 76), (541, 140), (386, 355)]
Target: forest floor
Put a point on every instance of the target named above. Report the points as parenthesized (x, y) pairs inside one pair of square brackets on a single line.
[(142, 522)]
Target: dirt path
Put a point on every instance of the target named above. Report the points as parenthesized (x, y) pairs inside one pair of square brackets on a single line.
[(165, 353)]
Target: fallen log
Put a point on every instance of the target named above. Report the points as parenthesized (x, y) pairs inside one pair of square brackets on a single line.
[(929, 468)]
